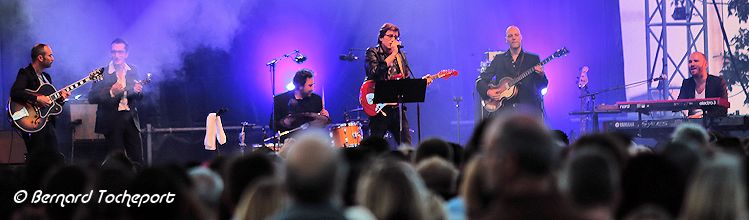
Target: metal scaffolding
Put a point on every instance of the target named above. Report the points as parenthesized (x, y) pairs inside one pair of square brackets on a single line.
[(693, 17)]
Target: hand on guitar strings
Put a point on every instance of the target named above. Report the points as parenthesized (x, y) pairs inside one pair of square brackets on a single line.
[(539, 69), (493, 93), (43, 101), (65, 94)]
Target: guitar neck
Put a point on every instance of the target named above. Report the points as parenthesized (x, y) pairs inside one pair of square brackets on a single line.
[(529, 71), (69, 88)]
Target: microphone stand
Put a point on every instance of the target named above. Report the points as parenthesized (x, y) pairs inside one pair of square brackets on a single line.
[(627, 86), (272, 67)]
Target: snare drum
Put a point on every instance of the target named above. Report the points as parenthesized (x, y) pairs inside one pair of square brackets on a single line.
[(346, 135)]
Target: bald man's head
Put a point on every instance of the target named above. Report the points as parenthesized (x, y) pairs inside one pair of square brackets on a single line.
[(698, 65), (513, 37)]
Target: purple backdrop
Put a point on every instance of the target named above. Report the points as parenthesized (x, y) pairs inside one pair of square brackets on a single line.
[(212, 54)]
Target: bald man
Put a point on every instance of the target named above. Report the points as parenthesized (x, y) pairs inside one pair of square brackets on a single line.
[(703, 85), (510, 64)]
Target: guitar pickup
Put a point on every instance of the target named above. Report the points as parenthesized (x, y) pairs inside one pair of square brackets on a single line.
[(19, 114)]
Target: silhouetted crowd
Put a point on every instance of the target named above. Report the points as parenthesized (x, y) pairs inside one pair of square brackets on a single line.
[(513, 167)]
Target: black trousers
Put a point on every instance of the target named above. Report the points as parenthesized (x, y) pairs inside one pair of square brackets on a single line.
[(380, 124), (42, 141), (125, 136)]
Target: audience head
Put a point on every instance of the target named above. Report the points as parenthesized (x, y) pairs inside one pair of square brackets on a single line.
[(717, 191), (590, 179), (474, 189), (692, 135), (374, 146), (603, 143), (440, 176), (393, 190), (433, 147), (208, 185), (518, 146), (261, 201), (245, 171), (651, 179), (313, 173)]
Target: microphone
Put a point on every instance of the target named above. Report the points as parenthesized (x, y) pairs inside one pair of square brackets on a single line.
[(348, 57), (401, 46)]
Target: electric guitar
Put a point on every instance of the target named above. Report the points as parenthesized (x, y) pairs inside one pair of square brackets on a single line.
[(366, 93), (31, 118), (507, 85)]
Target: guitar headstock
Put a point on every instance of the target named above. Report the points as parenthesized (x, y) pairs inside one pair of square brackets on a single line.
[(560, 52), (444, 74), (583, 78), (145, 81), (96, 75)]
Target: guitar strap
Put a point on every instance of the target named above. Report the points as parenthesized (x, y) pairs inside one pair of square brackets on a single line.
[(42, 79)]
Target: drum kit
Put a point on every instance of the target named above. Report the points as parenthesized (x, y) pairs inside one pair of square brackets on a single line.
[(343, 135)]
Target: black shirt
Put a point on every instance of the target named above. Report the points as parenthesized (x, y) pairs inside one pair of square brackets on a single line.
[(286, 104)]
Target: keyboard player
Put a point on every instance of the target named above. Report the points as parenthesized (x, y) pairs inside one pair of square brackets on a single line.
[(703, 85)]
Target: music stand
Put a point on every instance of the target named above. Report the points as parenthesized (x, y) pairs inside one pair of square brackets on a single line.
[(400, 91)]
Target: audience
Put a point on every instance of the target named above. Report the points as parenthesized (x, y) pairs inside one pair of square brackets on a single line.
[(433, 147), (512, 167), (651, 179), (314, 177), (440, 176), (392, 190), (717, 191), (590, 179), (261, 201), (519, 154)]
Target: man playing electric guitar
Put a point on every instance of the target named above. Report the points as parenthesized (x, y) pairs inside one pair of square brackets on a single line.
[(510, 64), (31, 78)]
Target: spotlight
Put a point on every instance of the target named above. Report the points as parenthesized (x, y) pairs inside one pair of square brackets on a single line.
[(299, 58), (290, 86)]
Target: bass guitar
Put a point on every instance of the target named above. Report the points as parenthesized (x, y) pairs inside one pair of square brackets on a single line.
[(31, 118), (507, 85), (366, 93)]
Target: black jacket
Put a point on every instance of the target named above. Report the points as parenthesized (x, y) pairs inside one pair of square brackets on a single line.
[(715, 87), (376, 67), (528, 89), (107, 105), (27, 79)]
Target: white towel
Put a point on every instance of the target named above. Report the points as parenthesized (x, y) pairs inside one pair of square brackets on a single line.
[(213, 131)]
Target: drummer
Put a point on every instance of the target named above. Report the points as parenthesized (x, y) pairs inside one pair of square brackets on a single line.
[(299, 106)]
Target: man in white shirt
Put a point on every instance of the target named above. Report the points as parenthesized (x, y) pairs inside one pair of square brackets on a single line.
[(116, 96), (703, 85)]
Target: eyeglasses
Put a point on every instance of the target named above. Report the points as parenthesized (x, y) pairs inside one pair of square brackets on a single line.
[(392, 36), (118, 51)]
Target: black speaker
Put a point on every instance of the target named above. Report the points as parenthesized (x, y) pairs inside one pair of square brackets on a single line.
[(12, 148)]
